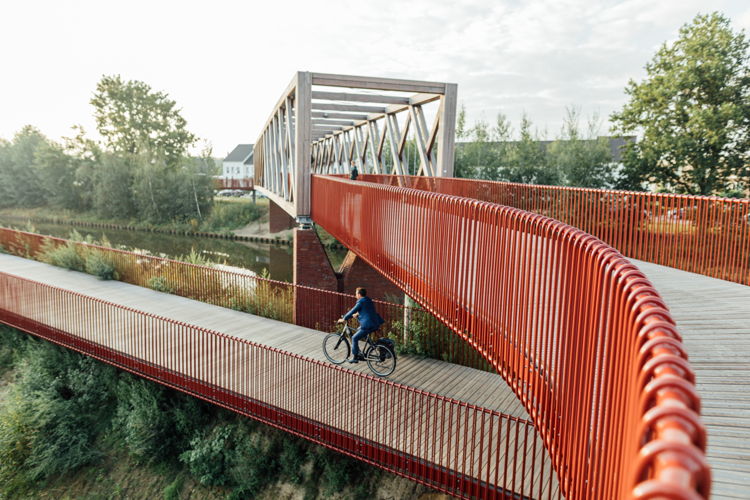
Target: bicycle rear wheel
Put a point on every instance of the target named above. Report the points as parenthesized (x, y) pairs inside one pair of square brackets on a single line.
[(336, 348), (381, 360)]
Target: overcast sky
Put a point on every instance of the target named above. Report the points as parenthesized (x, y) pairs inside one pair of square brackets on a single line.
[(226, 63)]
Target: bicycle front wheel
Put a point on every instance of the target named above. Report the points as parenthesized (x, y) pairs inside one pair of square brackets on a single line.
[(381, 360), (336, 348)]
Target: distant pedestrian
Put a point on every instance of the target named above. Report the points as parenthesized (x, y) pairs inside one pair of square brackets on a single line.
[(354, 174)]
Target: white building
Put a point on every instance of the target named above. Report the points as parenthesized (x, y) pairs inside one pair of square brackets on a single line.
[(239, 163)]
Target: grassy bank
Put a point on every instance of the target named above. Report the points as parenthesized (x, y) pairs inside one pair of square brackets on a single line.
[(225, 216), (72, 427)]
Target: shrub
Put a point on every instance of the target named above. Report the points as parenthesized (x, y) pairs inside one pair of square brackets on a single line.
[(228, 215), (155, 423), (209, 456), (292, 459), (100, 265), (160, 284), (13, 344), (254, 463), (64, 403), (195, 258), (172, 492), (66, 256)]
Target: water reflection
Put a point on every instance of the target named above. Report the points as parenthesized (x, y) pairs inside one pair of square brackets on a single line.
[(257, 257)]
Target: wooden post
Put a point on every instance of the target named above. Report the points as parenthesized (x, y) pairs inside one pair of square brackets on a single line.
[(302, 131), (446, 140)]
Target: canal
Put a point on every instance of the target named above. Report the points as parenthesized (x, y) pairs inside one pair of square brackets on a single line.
[(274, 259)]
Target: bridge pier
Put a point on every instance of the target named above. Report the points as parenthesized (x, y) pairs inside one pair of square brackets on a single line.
[(355, 272), (278, 219), (313, 269)]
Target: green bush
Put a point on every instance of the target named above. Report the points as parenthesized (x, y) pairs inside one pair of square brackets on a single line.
[(13, 344), (195, 258), (100, 265), (66, 256), (63, 404), (155, 423), (228, 215), (292, 459), (172, 492), (255, 462), (160, 284), (210, 455)]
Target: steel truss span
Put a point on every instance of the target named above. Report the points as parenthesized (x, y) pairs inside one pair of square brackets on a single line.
[(573, 327), (317, 128)]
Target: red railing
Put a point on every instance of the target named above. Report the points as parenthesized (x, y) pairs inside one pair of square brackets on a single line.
[(458, 448), (574, 328), (414, 330), (246, 184), (700, 234)]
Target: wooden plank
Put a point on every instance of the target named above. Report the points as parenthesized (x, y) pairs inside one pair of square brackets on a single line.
[(344, 116), (419, 99), (286, 205), (302, 140), (346, 96), (289, 91), (377, 83), (446, 146), (331, 122), (323, 106)]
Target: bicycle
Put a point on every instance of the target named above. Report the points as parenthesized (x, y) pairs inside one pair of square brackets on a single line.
[(379, 355)]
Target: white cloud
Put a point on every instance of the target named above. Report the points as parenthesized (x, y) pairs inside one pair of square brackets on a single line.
[(226, 63)]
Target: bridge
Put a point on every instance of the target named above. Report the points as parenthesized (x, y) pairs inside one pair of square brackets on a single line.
[(555, 366)]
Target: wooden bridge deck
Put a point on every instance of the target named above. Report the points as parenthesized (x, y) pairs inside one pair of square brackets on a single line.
[(713, 317), (484, 389)]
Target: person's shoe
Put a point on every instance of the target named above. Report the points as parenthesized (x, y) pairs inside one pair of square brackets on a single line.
[(357, 358)]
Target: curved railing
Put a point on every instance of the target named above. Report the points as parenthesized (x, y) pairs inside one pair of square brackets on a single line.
[(575, 329), (456, 447), (700, 234)]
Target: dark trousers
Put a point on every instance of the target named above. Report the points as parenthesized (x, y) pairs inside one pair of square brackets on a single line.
[(360, 335)]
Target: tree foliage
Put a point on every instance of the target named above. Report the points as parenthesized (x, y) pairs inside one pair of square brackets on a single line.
[(578, 160), (134, 119), (140, 171), (693, 111), (573, 159)]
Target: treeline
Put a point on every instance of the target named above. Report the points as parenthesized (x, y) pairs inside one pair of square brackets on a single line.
[(690, 113), (574, 158), (139, 169)]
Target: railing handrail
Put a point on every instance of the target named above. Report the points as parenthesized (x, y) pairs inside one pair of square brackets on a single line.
[(707, 235), (45, 310), (652, 351)]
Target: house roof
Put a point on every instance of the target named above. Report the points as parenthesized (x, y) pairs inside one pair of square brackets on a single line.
[(249, 160), (240, 153)]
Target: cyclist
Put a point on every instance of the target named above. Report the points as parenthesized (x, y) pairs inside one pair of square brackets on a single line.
[(369, 321)]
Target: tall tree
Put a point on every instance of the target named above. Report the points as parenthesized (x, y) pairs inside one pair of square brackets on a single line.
[(581, 160), (133, 119), (693, 111), (528, 159), (20, 173)]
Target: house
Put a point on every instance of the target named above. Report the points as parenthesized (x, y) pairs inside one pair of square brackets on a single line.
[(239, 163)]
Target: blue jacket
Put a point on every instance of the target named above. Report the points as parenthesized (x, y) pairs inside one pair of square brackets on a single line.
[(368, 317)]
